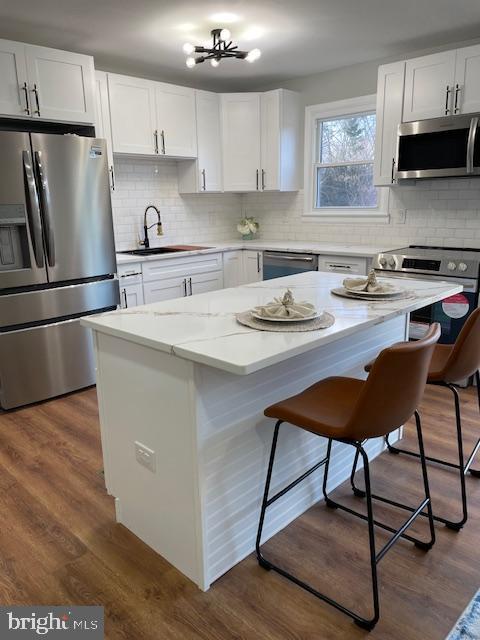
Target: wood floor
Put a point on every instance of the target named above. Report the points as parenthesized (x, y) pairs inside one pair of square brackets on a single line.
[(59, 544)]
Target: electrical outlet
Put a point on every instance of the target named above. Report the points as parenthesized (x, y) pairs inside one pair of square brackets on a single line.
[(145, 457), (401, 216)]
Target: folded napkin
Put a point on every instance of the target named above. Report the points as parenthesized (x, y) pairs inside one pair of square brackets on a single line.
[(369, 284), (286, 307)]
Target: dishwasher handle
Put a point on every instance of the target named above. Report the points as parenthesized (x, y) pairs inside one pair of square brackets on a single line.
[(282, 256)]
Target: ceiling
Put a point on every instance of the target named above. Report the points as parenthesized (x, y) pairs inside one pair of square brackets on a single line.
[(297, 37)]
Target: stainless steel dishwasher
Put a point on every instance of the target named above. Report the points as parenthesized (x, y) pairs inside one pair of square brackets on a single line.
[(277, 264)]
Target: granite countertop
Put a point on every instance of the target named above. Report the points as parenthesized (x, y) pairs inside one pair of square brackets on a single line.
[(320, 248), (203, 328)]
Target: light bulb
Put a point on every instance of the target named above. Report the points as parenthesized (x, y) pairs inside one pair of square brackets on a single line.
[(253, 55), (214, 62), (225, 35), (190, 62), (188, 48)]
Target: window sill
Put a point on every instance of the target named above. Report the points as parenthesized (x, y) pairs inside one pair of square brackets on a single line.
[(364, 216)]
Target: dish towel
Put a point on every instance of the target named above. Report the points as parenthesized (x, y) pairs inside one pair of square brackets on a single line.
[(286, 307), (370, 284)]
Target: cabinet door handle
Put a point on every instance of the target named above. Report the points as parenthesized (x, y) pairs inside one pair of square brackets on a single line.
[(27, 102), (257, 179), (112, 178), (184, 288), (447, 100), (204, 181), (393, 170), (125, 300), (37, 101), (155, 139), (456, 108), (263, 180), (163, 141), (258, 262), (190, 283)]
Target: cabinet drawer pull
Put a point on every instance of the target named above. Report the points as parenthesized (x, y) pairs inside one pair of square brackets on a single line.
[(333, 267), (125, 300), (190, 283), (204, 183), (263, 180), (163, 141), (27, 102), (155, 139), (456, 108), (184, 287), (37, 101), (129, 274), (393, 170), (257, 179), (112, 178), (447, 100)]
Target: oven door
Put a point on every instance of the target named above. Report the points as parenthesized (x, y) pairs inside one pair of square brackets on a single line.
[(451, 313)]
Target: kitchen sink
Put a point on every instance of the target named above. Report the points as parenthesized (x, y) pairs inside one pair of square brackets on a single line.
[(153, 251)]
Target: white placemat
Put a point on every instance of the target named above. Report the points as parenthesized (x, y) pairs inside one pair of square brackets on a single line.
[(324, 321)]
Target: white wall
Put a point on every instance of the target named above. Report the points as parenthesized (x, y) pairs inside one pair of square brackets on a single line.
[(185, 218)]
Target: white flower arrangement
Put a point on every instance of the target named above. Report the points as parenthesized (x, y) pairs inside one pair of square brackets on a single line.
[(248, 226)]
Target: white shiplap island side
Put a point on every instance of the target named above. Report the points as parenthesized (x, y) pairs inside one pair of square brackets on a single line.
[(185, 380)]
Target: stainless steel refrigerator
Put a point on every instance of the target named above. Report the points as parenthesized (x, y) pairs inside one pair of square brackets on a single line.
[(57, 262)]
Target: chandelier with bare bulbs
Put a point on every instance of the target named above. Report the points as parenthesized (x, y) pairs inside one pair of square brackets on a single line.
[(222, 47)]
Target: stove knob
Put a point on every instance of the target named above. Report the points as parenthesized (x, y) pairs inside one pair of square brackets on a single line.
[(392, 262), (382, 262), (451, 266), (462, 266)]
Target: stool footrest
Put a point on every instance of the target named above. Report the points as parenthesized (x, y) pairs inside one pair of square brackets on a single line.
[(295, 482)]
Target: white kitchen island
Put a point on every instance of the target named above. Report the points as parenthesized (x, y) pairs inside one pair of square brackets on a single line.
[(186, 383)]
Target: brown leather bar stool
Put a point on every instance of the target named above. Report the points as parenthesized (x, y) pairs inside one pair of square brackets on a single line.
[(451, 363), (350, 411)]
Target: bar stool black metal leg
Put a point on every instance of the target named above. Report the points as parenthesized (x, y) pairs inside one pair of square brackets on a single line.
[(261, 560), (456, 526), (426, 486), (358, 492), (371, 537), (476, 472)]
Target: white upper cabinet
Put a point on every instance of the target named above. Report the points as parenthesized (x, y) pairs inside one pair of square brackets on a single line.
[(241, 141), (176, 126), (429, 86), (62, 85), (204, 175), (132, 110), (45, 83), (14, 95), (261, 141), (467, 81), (389, 115), (280, 141), (152, 118), (103, 127)]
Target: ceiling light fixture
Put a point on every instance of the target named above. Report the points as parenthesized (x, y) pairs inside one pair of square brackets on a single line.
[(222, 47)]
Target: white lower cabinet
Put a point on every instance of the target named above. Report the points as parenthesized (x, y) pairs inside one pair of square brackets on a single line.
[(343, 264), (166, 289), (233, 269), (252, 266), (131, 286), (205, 282)]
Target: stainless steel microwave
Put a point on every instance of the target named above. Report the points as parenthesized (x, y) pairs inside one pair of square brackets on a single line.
[(439, 148)]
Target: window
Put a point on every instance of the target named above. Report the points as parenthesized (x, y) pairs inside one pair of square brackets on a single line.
[(340, 146)]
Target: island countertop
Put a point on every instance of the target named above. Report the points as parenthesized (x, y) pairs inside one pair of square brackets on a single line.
[(203, 328)]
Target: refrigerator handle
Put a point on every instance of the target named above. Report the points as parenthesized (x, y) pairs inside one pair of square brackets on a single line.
[(33, 208), (49, 236)]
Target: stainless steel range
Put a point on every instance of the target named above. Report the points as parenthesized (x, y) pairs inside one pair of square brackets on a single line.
[(458, 265)]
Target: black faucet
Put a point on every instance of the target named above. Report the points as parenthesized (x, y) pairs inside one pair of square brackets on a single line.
[(146, 242)]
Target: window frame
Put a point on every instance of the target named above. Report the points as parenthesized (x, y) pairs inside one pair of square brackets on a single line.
[(326, 111)]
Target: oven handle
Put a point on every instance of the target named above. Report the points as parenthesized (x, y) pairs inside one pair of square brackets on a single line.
[(472, 135), (470, 286)]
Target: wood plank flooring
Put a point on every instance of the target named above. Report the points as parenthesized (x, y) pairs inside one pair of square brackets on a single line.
[(59, 544)]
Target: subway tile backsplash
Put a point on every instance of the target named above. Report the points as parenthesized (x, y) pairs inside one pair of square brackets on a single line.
[(186, 218), (442, 212), (436, 212)]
